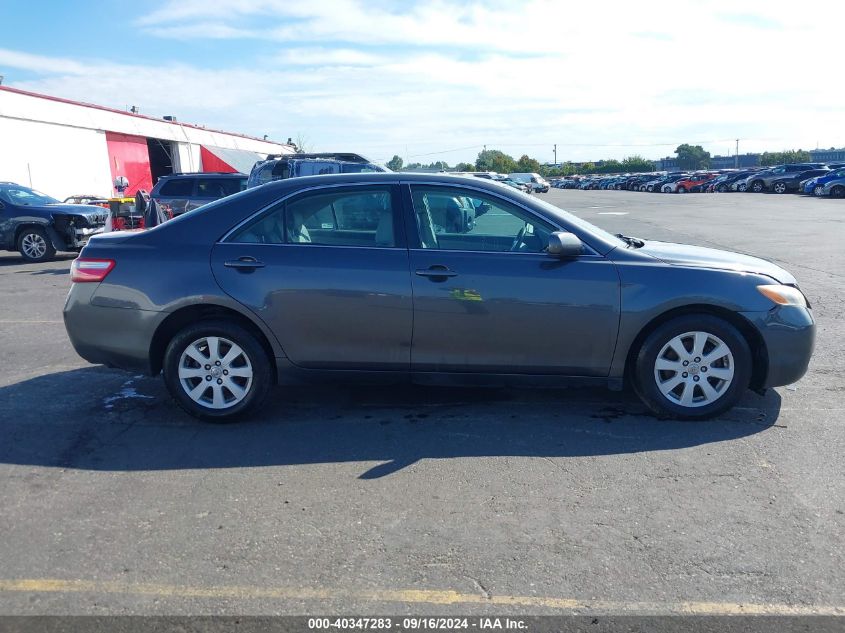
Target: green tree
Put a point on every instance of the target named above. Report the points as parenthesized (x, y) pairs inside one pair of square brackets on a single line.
[(786, 156), (692, 157), (637, 163), (395, 163), (495, 160), (464, 167), (526, 164)]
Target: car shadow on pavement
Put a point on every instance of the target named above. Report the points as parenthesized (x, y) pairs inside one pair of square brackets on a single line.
[(100, 419), (11, 259)]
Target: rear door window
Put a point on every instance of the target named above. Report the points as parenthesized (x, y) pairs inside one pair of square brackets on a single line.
[(219, 187), (358, 216)]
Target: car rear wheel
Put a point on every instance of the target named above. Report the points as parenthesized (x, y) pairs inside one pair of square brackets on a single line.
[(818, 190), (682, 189), (34, 245), (693, 367), (722, 188), (838, 191), (757, 186), (779, 187), (742, 187), (217, 371)]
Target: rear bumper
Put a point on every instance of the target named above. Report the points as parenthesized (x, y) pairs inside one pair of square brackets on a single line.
[(789, 334), (117, 337)]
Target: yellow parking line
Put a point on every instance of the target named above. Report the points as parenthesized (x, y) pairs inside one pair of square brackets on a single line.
[(411, 596)]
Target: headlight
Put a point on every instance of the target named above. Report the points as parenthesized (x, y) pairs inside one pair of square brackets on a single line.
[(783, 295)]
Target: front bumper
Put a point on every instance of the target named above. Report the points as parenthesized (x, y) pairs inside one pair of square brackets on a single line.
[(789, 335)]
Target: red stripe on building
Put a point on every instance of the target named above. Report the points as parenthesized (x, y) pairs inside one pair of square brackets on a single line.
[(210, 162), (129, 156)]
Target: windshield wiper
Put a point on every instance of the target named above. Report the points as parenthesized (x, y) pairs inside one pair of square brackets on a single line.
[(631, 241)]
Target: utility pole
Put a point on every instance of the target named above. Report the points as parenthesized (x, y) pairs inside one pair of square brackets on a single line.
[(736, 157), (555, 154)]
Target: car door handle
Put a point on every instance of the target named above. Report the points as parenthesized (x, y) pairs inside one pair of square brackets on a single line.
[(436, 271), (244, 263)]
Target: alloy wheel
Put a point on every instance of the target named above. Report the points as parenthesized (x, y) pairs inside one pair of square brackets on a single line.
[(34, 245), (215, 372), (780, 187), (694, 369)]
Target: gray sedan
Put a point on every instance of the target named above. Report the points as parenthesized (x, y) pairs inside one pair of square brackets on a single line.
[(834, 188), (350, 276)]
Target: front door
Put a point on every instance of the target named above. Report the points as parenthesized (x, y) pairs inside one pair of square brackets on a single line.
[(327, 271), (489, 299)]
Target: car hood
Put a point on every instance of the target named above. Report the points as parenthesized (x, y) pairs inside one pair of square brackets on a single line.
[(73, 209), (701, 257)]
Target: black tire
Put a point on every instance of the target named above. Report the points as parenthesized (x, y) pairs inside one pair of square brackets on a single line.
[(837, 192), (743, 187), (779, 187), (682, 189), (645, 383), (262, 372), (34, 245), (722, 188), (757, 186)]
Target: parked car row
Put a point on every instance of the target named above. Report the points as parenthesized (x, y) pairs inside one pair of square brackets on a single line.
[(816, 179), (529, 182)]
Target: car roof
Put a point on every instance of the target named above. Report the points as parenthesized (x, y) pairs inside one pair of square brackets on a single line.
[(204, 174)]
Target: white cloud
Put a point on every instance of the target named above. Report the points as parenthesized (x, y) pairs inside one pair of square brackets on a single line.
[(599, 79)]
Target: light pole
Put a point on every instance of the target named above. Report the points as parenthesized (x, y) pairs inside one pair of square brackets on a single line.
[(555, 154), (736, 156)]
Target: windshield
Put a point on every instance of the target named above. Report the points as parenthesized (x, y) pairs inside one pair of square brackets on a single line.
[(24, 196), (569, 218)]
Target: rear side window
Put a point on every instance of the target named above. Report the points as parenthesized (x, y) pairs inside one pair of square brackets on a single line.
[(178, 187), (316, 168), (360, 217)]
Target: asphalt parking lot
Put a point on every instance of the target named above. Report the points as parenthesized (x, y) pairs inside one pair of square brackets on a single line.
[(424, 500)]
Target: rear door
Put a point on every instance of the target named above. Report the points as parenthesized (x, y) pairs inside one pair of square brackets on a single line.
[(489, 299), (327, 271)]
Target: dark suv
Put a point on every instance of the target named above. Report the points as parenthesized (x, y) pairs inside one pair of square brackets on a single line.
[(281, 166), (178, 193), (37, 225)]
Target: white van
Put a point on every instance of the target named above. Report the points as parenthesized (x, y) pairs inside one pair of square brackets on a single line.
[(537, 183)]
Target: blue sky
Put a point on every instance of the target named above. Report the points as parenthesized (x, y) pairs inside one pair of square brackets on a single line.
[(439, 80)]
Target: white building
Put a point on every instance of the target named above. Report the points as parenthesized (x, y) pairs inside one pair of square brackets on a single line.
[(65, 148)]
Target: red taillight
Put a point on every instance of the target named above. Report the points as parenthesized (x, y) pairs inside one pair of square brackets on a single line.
[(87, 270)]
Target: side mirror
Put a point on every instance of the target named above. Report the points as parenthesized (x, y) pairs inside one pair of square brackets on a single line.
[(563, 244)]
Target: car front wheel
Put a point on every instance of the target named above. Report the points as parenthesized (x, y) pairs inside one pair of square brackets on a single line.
[(757, 186), (34, 245), (838, 191), (779, 187), (692, 367), (217, 371)]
